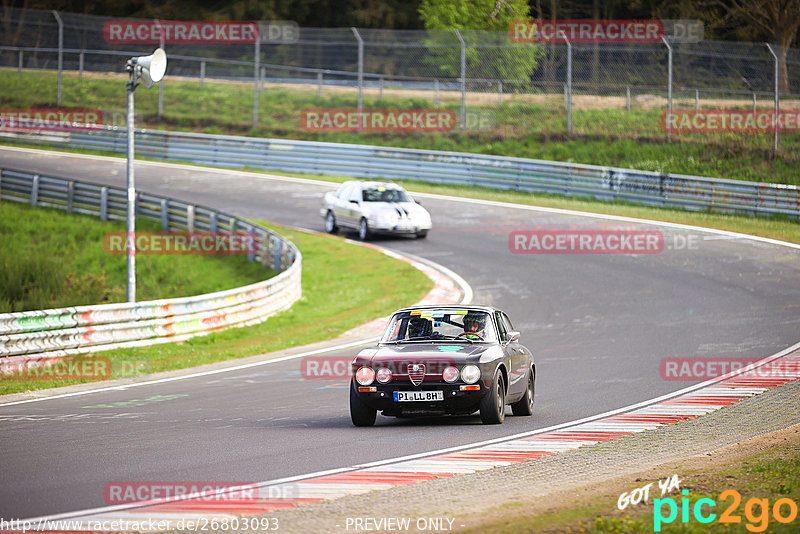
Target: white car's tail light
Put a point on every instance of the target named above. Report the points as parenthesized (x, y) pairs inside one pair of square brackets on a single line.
[(470, 374), (383, 375), (365, 376), (450, 374)]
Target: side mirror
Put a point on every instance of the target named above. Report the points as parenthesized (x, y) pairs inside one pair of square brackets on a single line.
[(354, 201), (513, 336), (418, 202)]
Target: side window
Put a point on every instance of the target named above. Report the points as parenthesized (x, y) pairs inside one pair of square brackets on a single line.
[(507, 322), (501, 327), (355, 193), (344, 191)]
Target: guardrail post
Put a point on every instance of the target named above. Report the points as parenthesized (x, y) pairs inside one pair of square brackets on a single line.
[(190, 217), (164, 214), (70, 195), (60, 51), (212, 222), (234, 224), (35, 190), (103, 203), (669, 88), (777, 99), (202, 73), (80, 65), (463, 78)]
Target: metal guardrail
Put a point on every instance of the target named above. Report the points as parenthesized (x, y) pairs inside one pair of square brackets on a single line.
[(80, 329), (365, 161)]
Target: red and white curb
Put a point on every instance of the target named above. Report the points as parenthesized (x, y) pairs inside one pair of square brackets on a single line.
[(688, 403)]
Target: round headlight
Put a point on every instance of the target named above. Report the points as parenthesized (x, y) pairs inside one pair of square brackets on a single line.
[(365, 376), (383, 375), (470, 374), (450, 374)]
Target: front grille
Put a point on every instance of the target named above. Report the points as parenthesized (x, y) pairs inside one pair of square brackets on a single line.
[(416, 373)]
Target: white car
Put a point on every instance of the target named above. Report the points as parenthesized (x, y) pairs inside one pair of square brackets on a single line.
[(374, 208)]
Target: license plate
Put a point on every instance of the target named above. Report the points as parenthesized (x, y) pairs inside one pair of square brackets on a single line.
[(418, 396)]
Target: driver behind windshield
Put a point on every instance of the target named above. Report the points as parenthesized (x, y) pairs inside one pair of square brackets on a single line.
[(418, 327), (475, 326)]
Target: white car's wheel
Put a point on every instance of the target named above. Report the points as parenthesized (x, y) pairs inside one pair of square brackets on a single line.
[(330, 223), (363, 230)]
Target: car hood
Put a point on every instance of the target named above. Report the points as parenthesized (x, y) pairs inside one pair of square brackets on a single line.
[(425, 352), (411, 209)]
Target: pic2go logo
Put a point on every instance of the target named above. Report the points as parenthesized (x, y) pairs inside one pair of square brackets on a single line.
[(756, 511)]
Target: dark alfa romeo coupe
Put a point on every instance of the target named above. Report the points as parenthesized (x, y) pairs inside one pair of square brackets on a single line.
[(435, 360)]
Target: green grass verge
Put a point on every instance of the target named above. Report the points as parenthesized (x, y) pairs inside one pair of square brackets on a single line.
[(606, 135), (344, 285), (52, 259), (769, 475)]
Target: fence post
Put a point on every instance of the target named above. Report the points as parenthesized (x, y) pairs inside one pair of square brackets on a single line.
[(669, 88), (777, 99), (754, 103), (80, 65), (202, 73), (499, 92), (463, 78), (60, 52), (360, 72), (436, 92), (256, 70), (696, 100), (380, 90), (569, 83), (628, 98), (261, 79), (19, 66), (319, 84)]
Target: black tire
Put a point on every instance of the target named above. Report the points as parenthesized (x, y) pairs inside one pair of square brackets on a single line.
[(360, 413), (330, 223), (422, 234), (493, 405), (363, 230), (524, 406)]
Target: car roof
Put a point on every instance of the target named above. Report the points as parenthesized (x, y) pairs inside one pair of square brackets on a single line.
[(365, 183), (472, 307)]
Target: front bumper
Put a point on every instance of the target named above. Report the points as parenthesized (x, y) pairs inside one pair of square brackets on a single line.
[(456, 400)]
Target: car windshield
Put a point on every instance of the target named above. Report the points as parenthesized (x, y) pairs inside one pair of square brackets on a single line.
[(431, 324), (384, 194)]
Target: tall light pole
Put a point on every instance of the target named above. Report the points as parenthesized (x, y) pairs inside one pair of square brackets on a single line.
[(149, 70)]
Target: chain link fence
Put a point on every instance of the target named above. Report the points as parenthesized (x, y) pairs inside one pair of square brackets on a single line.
[(562, 83)]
